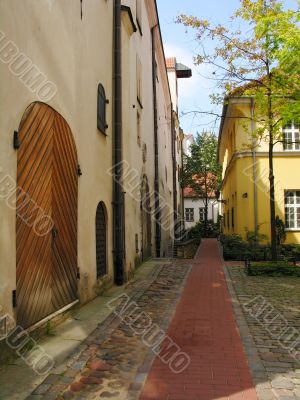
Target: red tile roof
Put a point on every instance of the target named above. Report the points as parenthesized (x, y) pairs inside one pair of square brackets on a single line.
[(171, 63), (190, 192)]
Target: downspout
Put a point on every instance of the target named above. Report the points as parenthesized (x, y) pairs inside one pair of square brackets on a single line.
[(254, 170), (173, 138), (156, 164), (182, 191), (118, 195)]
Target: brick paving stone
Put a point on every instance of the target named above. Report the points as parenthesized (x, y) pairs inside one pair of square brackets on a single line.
[(204, 327)]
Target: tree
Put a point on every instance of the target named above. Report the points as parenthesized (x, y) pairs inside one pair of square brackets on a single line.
[(201, 171), (262, 62)]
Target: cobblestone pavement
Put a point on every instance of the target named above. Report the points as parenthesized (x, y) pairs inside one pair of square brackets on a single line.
[(275, 371), (113, 362)]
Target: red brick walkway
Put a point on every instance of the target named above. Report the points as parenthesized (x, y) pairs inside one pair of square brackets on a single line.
[(204, 327)]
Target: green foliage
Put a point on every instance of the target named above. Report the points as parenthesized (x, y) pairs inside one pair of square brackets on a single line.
[(211, 230), (262, 63), (291, 251), (254, 238), (237, 249), (234, 247), (201, 171), (195, 232), (280, 231), (280, 268)]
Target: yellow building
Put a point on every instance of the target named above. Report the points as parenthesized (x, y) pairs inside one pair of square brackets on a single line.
[(245, 187)]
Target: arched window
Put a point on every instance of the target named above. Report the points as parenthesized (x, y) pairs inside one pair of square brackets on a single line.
[(101, 109), (101, 240)]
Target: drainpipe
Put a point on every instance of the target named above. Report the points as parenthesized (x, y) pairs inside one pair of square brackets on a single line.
[(173, 138), (118, 195), (156, 165), (254, 170)]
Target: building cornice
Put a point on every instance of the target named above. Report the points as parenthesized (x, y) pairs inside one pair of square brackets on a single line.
[(259, 154)]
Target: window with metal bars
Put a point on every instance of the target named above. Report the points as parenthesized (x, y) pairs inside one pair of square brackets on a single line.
[(101, 109), (101, 240)]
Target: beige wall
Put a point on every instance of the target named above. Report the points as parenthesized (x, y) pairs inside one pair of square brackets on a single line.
[(137, 45), (75, 62), (76, 54)]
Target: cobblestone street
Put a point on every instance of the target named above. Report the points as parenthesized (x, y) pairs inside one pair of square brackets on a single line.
[(276, 372), (204, 310), (113, 361)]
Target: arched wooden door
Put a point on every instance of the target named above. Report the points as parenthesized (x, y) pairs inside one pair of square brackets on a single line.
[(101, 240), (146, 220), (46, 217)]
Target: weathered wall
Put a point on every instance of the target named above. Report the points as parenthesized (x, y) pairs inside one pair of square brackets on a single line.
[(73, 48), (75, 62)]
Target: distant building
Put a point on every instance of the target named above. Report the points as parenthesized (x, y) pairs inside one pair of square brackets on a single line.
[(194, 206), (187, 142)]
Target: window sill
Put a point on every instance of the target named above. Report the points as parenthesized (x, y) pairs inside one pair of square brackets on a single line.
[(292, 229)]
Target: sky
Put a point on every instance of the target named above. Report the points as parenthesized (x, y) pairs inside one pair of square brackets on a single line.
[(194, 92)]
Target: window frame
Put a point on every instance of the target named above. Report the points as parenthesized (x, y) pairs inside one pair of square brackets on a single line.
[(294, 132), (189, 214), (201, 210), (292, 206)]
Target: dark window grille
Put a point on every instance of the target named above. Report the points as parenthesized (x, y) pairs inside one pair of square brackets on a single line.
[(101, 240), (101, 109)]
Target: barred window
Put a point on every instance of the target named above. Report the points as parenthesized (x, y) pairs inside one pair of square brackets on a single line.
[(292, 209), (189, 214), (101, 109)]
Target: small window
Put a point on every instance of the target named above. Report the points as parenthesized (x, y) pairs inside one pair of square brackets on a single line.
[(291, 136), (189, 214), (232, 217), (101, 109), (228, 219), (292, 209), (101, 240), (201, 214)]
